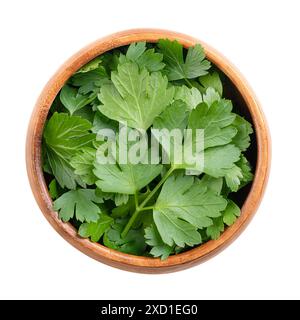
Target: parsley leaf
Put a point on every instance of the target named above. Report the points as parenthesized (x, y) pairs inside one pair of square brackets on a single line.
[(133, 242), (244, 129), (53, 189), (212, 81), (218, 160), (210, 96), (83, 164), (102, 122), (239, 175), (174, 116), (90, 81), (231, 213), (182, 208), (213, 184), (92, 65), (233, 177), (214, 231), (95, 230), (81, 203), (121, 198), (124, 178), (194, 65), (135, 50), (245, 166), (215, 121), (64, 135), (229, 216), (149, 59), (191, 96), (159, 248), (73, 100), (136, 96)]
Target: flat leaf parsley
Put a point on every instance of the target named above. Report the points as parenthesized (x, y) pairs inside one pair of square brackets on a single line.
[(147, 203)]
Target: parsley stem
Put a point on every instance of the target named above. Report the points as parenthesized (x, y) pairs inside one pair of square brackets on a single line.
[(136, 199), (91, 98), (147, 208), (188, 82), (142, 205)]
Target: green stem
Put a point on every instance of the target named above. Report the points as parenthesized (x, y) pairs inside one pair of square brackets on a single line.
[(136, 199), (142, 205), (188, 82), (92, 97), (146, 208)]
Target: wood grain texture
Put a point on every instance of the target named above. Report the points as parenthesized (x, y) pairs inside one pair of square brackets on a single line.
[(102, 253)]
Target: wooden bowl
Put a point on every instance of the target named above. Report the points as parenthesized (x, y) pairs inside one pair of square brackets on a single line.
[(241, 94)]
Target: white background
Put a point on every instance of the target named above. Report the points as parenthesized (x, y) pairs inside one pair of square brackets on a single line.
[(260, 37)]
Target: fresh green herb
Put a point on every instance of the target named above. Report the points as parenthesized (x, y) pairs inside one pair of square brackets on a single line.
[(136, 96), (96, 230), (81, 202), (194, 65), (147, 203)]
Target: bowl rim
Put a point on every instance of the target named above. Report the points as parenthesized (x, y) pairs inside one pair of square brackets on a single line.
[(112, 257)]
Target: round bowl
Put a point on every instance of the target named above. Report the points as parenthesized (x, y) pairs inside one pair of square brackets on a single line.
[(259, 155)]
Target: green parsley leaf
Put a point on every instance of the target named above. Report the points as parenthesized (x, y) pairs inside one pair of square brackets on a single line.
[(81, 203), (86, 113), (239, 175), (233, 178), (123, 210), (191, 96), (218, 160), (215, 121), (229, 216), (73, 100), (159, 248), (64, 135), (133, 243), (135, 50), (214, 231), (102, 122), (231, 213), (213, 184), (210, 96), (83, 163), (95, 230), (92, 65), (121, 198), (63, 172), (53, 189), (244, 129), (183, 207), (194, 65), (245, 166), (212, 81), (136, 96), (174, 116), (148, 59), (90, 81), (124, 178)]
